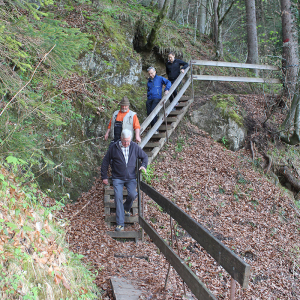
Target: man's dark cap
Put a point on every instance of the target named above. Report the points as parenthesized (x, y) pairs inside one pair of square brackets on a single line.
[(125, 101)]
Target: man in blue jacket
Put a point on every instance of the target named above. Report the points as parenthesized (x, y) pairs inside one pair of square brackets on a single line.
[(154, 91), (122, 156)]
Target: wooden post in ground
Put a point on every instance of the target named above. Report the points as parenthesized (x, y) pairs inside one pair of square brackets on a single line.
[(139, 191), (232, 289), (165, 116), (192, 80)]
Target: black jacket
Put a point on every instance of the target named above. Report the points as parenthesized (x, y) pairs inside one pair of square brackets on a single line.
[(173, 69), (119, 168)]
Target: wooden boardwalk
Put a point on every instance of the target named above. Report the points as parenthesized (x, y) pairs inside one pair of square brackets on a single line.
[(123, 290)]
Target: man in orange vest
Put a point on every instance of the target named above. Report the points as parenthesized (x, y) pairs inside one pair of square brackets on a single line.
[(123, 119)]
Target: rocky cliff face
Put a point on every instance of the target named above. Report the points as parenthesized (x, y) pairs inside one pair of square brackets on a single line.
[(117, 69)]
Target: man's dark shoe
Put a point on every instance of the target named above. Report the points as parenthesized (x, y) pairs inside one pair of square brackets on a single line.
[(127, 213), (119, 228)]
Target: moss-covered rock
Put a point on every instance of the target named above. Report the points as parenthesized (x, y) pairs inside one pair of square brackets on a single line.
[(221, 119)]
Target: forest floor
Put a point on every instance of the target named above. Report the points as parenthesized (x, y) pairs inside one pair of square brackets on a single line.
[(222, 190)]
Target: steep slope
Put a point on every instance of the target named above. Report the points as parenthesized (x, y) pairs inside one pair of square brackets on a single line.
[(223, 192)]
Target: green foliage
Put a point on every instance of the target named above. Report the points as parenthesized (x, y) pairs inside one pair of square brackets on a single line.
[(29, 229), (149, 176)]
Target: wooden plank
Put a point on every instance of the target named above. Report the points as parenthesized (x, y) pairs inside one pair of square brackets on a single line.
[(123, 289), (159, 106), (171, 119), (125, 234), (234, 265), (164, 127), (233, 65), (111, 204), (111, 192), (185, 98), (236, 79), (152, 144), (106, 198), (131, 219), (181, 104), (193, 282), (175, 112)]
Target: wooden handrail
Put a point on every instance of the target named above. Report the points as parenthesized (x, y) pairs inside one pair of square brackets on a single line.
[(233, 65), (193, 282), (162, 101), (236, 79), (233, 264)]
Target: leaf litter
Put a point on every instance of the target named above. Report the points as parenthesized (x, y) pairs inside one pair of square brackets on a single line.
[(220, 190)]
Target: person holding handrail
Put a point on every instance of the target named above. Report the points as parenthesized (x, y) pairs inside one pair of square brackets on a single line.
[(122, 156), (154, 91), (173, 68)]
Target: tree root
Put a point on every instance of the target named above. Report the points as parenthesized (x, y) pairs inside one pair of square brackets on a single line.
[(269, 163), (252, 151)]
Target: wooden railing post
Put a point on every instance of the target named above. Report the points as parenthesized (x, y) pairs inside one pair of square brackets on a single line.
[(232, 288), (166, 123), (192, 79), (139, 175)]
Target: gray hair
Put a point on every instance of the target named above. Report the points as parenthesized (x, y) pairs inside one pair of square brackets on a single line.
[(151, 68), (126, 133)]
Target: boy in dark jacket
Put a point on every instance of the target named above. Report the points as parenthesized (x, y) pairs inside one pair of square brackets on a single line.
[(154, 91), (123, 155), (173, 68)]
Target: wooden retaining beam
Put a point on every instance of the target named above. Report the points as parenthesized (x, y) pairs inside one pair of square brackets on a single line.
[(233, 264)]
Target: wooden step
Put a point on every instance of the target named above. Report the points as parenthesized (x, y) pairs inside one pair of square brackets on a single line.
[(163, 127), (185, 98), (137, 235), (131, 219), (181, 104), (111, 192), (152, 144), (109, 210), (171, 119), (111, 204), (175, 112), (160, 135)]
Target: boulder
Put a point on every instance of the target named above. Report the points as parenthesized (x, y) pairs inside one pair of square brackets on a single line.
[(220, 126)]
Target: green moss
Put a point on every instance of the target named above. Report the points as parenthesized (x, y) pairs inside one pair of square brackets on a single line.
[(229, 107)]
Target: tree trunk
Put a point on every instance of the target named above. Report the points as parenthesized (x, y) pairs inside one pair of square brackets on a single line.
[(216, 21), (262, 18), (251, 32), (155, 29), (161, 4), (290, 47), (196, 18), (173, 14), (202, 20)]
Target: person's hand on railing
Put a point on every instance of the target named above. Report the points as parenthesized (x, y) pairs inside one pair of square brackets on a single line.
[(143, 168), (166, 92), (182, 70)]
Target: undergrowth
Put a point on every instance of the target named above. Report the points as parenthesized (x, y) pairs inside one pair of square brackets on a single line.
[(35, 261)]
